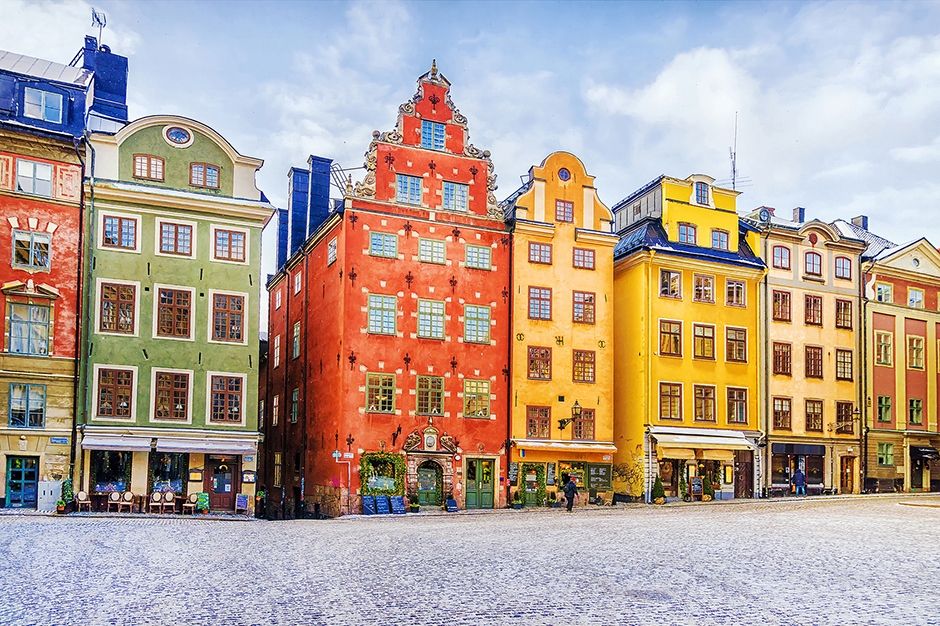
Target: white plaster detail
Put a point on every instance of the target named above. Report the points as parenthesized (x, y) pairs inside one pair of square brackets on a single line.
[(14, 222), (33, 223), (51, 227)]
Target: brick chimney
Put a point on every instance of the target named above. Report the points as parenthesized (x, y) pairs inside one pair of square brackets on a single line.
[(861, 221)]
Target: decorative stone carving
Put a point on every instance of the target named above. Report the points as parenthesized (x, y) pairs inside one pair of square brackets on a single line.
[(412, 441), (447, 442)]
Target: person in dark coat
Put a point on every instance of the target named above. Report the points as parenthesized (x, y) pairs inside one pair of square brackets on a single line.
[(799, 480), (571, 492)]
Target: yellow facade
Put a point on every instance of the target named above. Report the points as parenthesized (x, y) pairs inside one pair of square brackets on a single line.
[(687, 366), (562, 332)]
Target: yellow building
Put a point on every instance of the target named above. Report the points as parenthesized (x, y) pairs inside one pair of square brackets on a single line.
[(811, 369), (686, 366), (561, 417)]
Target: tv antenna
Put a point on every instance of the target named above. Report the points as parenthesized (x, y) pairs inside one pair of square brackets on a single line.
[(100, 20), (744, 181)]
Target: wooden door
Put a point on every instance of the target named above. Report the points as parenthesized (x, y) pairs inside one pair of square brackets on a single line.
[(846, 475), (428, 493), (743, 474), (22, 481), (222, 482), (479, 491)]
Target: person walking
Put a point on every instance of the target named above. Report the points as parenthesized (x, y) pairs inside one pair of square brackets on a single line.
[(799, 481), (571, 492)]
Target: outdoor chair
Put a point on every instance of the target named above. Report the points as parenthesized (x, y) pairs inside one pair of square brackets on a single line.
[(156, 502), (82, 500), (169, 501), (114, 499), (190, 503), (127, 500)]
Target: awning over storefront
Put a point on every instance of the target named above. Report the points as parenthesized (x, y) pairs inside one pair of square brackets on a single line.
[(687, 454), (566, 446), (717, 455), (120, 443), (925, 452), (208, 446), (666, 440)]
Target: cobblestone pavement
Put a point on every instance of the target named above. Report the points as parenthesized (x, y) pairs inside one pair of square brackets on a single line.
[(851, 561)]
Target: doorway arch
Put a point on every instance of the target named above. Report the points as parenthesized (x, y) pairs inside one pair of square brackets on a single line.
[(430, 483)]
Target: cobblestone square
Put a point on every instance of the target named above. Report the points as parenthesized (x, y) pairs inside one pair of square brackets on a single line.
[(837, 561)]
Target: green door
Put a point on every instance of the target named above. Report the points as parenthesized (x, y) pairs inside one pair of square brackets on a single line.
[(428, 492), (479, 484), (22, 477)]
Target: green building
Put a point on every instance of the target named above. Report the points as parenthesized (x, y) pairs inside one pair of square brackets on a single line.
[(171, 314)]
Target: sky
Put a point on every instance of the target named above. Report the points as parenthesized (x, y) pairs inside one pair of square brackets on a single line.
[(837, 103)]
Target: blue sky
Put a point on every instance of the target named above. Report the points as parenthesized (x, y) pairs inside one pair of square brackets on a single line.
[(838, 103)]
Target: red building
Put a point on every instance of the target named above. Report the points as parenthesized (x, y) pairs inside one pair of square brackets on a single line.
[(389, 326)]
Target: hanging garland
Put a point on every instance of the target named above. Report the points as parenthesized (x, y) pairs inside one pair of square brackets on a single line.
[(539, 480), (368, 464)]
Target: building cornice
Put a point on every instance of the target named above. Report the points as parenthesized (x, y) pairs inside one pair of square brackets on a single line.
[(179, 200)]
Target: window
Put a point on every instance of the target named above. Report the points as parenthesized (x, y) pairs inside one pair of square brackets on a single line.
[(29, 329), (782, 358), (583, 307), (782, 413), (885, 453), (43, 105), (227, 398), (382, 311), (844, 365), (670, 284), (454, 197), (476, 398), (720, 239), (174, 307), (27, 406), (736, 344), (845, 420), (120, 232), (781, 257), (34, 178), (814, 362), (430, 319), (583, 427), (883, 348), (884, 293), (148, 167), (476, 327), (781, 306), (670, 338), (701, 193), (117, 308), (31, 250), (431, 251), (704, 288), (294, 405), (380, 393), (331, 252), (204, 175), (915, 298), (704, 403), (540, 363), (915, 352), (844, 314), (277, 351), (230, 245), (408, 189), (432, 135), (176, 239), (168, 472), (295, 345), (540, 303), (813, 264), (227, 314), (278, 469), (737, 406), (670, 401), (478, 257), (703, 339), (277, 299), (275, 410), (383, 244), (110, 471), (114, 393), (430, 395), (564, 211), (297, 282), (843, 268), (884, 409), (583, 258), (538, 422), (687, 234), (735, 295), (812, 312), (171, 399), (540, 253), (583, 370)]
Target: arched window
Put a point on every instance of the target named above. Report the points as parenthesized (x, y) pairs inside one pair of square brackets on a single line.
[(701, 193), (813, 265), (782, 257), (843, 267)]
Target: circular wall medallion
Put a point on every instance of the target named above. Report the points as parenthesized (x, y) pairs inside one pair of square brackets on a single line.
[(915, 262), (564, 174), (177, 136)]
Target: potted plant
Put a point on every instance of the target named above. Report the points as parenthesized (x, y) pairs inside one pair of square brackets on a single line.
[(60, 506), (684, 488), (68, 495), (413, 505), (517, 499), (659, 494), (708, 492), (553, 500)]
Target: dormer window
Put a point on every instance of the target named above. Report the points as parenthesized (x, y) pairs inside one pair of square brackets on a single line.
[(564, 211), (34, 178), (43, 105), (204, 175), (432, 135), (701, 193)]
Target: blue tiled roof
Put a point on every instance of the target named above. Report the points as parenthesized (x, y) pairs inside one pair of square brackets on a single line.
[(648, 234), (642, 191)]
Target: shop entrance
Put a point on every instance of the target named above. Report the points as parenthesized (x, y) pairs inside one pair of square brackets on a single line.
[(846, 474), (479, 491), (222, 482), (430, 483), (22, 481), (743, 474), (917, 473)]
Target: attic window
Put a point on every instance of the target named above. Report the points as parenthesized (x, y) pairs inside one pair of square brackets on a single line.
[(43, 105), (432, 135), (701, 193)]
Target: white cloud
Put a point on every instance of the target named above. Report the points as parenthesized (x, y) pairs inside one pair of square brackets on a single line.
[(917, 154)]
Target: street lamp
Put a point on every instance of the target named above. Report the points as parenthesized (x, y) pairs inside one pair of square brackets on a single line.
[(575, 415)]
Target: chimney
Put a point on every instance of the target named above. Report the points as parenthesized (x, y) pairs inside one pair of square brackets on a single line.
[(282, 231), (319, 192), (298, 201), (109, 97), (861, 221), (799, 215)]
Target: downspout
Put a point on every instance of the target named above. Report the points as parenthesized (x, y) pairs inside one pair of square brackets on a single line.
[(285, 418), (509, 386), (863, 404), (76, 385), (304, 328), (765, 462), (650, 286), (85, 255)]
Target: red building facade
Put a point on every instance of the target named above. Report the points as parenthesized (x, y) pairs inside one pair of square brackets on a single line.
[(389, 329)]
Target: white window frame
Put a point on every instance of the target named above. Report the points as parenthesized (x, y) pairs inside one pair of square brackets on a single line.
[(234, 229), (331, 251), (33, 178), (276, 349), (158, 231), (44, 95), (125, 216), (33, 236)]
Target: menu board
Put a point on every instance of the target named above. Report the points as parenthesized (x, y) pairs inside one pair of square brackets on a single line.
[(241, 501), (368, 505), (695, 486), (398, 505), (513, 474), (202, 501), (550, 474), (381, 505), (451, 506), (599, 477)]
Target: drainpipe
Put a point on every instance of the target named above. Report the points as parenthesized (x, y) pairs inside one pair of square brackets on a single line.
[(305, 330), (650, 481), (765, 462), (863, 405), (85, 278), (510, 235), (76, 386)]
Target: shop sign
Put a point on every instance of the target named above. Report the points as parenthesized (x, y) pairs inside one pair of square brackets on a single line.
[(59, 440), (513, 474), (348, 455), (241, 502), (550, 474), (381, 505), (398, 505)]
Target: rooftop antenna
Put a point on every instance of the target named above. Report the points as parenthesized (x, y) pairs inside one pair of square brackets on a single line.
[(734, 154), (100, 20)]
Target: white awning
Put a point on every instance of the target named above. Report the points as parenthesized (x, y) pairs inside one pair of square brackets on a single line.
[(703, 441), (687, 454), (209, 446), (122, 443), (566, 446)]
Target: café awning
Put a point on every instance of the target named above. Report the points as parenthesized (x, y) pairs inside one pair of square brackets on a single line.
[(668, 440), (925, 452), (717, 455), (207, 446), (686, 454), (118, 443)]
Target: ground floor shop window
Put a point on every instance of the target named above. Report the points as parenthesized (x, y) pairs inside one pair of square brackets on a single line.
[(572, 469), (168, 472), (110, 471), (784, 466)]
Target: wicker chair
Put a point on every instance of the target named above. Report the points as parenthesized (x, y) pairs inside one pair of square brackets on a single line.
[(190, 503), (114, 499), (82, 500), (169, 501), (127, 500), (155, 502)]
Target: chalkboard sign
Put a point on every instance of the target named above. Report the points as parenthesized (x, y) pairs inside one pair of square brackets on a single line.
[(241, 501), (451, 506), (381, 505), (368, 505), (550, 474), (202, 501), (599, 477), (695, 486), (398, 505), (513, 474)]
